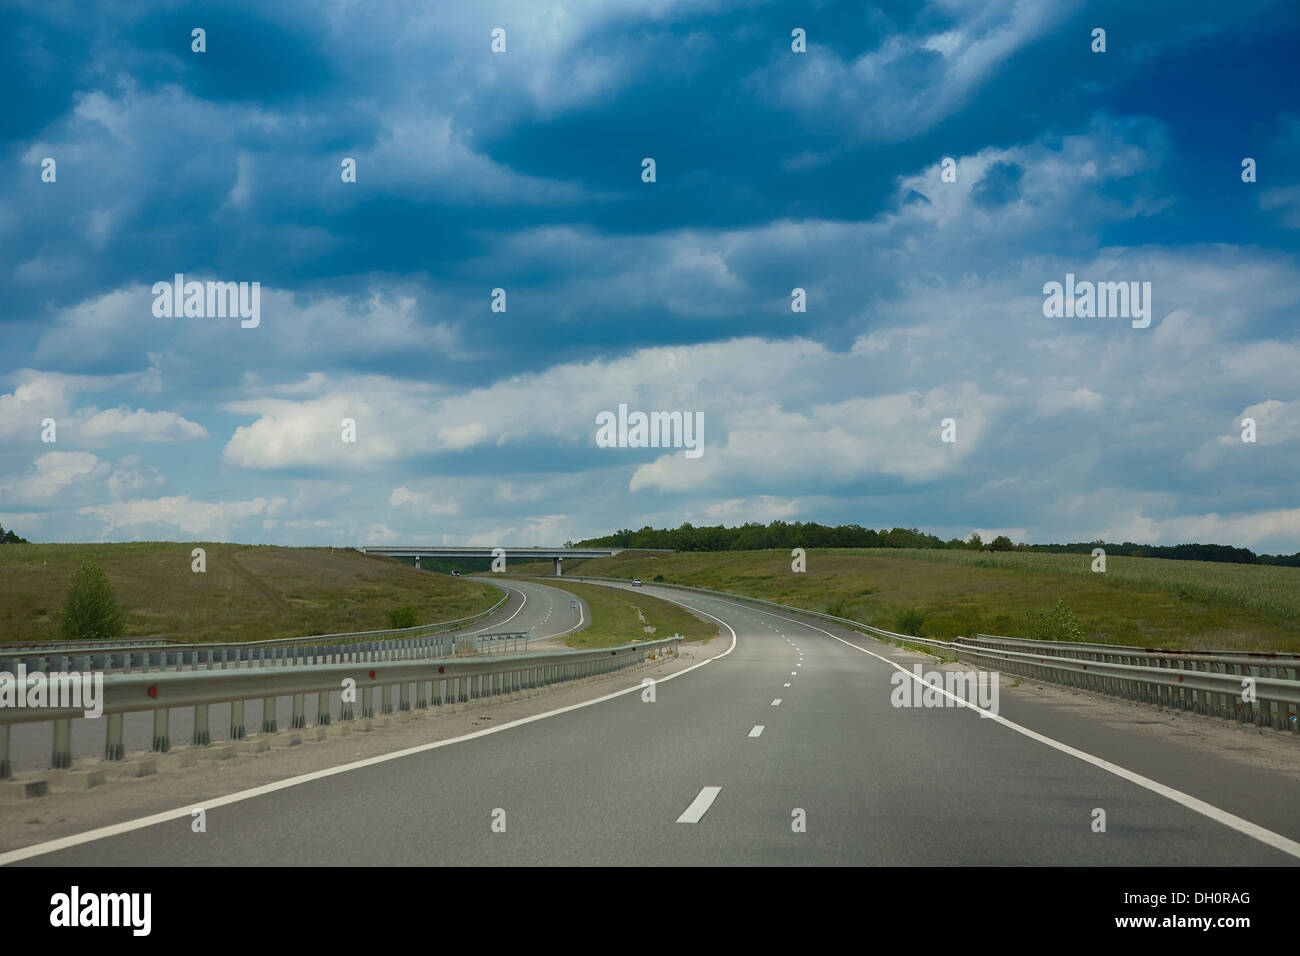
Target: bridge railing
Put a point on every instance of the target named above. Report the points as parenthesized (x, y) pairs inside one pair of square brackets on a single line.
[(1260, 689), (387, 644), (416, 684)]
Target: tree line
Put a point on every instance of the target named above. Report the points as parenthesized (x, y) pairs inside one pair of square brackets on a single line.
[(9, 537), (781, 534)]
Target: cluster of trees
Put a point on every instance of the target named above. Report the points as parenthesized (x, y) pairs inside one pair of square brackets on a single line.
[(1179, 552), (9, 537), (782, 534), (778, 534)]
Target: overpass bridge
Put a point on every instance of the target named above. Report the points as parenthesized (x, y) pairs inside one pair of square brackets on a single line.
[(533, 553)]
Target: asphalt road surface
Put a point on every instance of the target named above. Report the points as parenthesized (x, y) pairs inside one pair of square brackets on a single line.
[(794, 722)]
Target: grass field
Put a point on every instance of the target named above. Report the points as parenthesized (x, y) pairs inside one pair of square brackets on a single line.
[(615, 619), (1150, 602), (246, 593)]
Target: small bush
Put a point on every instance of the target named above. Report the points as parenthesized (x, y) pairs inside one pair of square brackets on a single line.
[(911, 622), (658, 577), (1056, 623), (837, 606), (91, 611), (404, 616)]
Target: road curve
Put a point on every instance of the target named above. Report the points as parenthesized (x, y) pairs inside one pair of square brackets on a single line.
[(531, 608), (793, 722)]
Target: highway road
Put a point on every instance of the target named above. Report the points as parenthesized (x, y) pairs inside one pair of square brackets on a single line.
[(793, 715), (541, 612)]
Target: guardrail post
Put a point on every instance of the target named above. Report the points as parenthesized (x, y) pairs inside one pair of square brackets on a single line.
[(113, 748), (323, 708), (201, 736), (387, 699), (161, 724), (61, 758), (6, 770), (299, 718), (268, 715), (367, 703), (404, 697), (237, 731)]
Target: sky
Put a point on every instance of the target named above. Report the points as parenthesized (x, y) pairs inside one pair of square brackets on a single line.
[(474, 414)]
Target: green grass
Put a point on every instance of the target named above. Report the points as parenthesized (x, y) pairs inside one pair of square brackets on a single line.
[(1150, 602), (246, 593), (614, 618)]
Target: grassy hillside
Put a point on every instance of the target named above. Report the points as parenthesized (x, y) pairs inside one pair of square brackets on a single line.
[(246, 593), (1150, 602), (620, 617)]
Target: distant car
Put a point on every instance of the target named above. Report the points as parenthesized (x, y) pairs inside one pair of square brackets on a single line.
[(456, 573), (636, 582), (573, 604)]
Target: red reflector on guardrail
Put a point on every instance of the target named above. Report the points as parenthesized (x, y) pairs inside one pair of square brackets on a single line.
[(442, 670), (372, 675), (153, 691)]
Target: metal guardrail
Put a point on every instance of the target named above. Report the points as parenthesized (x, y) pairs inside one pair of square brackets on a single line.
[(38, 646), (165, 654), (1121, 651), (209, 657), (1204, 684), (435, 683)]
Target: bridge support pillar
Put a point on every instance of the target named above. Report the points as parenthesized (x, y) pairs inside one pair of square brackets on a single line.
[(559, 567), (417, 562)]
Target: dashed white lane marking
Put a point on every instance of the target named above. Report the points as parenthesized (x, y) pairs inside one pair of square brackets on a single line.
[(700, 805), (582, 616), (1230, 820), (758, 729), (787, 684), (777, 702), (794, 673)]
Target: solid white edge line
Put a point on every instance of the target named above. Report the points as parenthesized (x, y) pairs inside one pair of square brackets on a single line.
[(481, 630), (582, 606), (1264, 835), (700, 805), (116, 829)]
